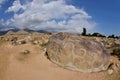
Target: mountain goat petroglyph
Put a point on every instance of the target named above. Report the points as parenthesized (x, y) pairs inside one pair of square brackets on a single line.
[(77, 53)]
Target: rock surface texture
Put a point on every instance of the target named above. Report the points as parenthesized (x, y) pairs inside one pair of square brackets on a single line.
[(77, 53)]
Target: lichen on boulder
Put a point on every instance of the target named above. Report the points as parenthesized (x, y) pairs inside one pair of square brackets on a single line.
[(77, 52)]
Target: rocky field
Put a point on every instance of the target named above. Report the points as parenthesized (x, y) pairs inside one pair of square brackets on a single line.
[(23, 57)]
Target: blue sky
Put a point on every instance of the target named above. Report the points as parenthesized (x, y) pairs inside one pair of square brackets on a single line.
[(62, 15), (105, 13)]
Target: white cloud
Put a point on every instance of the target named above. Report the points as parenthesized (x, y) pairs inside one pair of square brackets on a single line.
[(54, 15), (2, 1), (15, 7), (1, 22)]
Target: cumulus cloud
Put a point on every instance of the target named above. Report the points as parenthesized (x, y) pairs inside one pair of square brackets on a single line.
[(52, 15), (15, 7), (2, 1), (1, 22)]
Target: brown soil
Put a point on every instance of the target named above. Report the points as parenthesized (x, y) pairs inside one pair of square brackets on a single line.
[(16, 65)]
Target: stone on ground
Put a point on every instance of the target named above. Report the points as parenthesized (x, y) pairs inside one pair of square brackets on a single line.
[(77, 52)]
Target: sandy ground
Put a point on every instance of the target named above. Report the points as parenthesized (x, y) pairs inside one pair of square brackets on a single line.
[(14, 65)]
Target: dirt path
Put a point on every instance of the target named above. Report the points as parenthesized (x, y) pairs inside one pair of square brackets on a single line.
[(14, 65)]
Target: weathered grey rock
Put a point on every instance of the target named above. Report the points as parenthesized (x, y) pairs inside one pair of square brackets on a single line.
[(77, 53)]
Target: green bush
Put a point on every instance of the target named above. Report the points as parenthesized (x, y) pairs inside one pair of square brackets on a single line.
[(43, 44), (116, 52), (98, 35)]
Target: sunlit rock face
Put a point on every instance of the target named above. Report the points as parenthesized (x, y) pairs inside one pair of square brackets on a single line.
[(77, 52)]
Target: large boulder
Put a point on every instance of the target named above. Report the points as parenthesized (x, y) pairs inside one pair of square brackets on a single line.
[(77, 52)]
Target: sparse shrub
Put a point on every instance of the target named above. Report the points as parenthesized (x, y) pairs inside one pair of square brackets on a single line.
[(98, 35), (88, 34), (116, 52), (35, 42), (43, 44), (111, 36)]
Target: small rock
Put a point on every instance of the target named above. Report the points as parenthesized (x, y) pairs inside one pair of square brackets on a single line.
[(110, 71), (35, 42), (25, 52)]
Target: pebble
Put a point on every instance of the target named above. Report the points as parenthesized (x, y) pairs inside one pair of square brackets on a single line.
[(110, 71)]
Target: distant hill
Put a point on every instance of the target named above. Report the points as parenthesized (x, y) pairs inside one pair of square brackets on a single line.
[(44, 31), (10, 32), (21, 32), (35, 33), (5, 31)]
